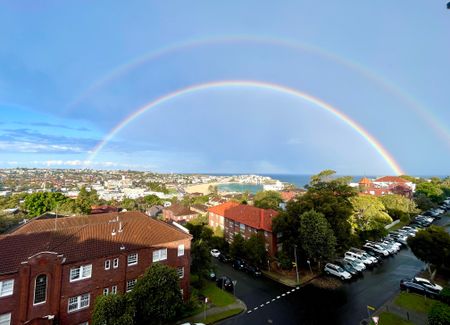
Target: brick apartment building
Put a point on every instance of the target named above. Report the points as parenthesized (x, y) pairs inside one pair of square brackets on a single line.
[(51, 271), (179, 213), (246, 220)]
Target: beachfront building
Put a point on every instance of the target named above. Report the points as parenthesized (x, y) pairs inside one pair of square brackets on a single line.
[(52, 270), (247, 220)]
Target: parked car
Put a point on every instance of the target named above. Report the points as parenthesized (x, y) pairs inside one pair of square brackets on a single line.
[(252, 270), (224, 258), (366, 261), (238, 264), (347, 266), (363, 254), (372, 253), (215, 252), (356, 263), (225, 283), (376, 248), (427, 284), (409, 286), (336, 270)]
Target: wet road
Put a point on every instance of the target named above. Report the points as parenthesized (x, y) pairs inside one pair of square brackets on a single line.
[(310, 305)]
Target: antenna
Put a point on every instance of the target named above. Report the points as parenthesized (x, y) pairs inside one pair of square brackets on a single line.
[(120, 227)]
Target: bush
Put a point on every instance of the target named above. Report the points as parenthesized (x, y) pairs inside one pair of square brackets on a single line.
[(444, 296), (439, 314), (284, 260)]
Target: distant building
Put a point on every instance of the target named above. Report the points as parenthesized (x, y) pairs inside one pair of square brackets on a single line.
[(96, 209), (200, 208), (154, 210), (217, 214), (179, 213), (51, 271), (386, 185)]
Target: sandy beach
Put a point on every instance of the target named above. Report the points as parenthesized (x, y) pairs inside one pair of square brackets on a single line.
[(200, 188)]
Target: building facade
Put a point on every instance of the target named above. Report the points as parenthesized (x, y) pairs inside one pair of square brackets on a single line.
[(53, 270)]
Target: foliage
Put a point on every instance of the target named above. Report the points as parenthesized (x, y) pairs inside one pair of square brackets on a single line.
[(318, 241), (200, 258), (267, 200), (151, 200), (13, 201), (237, 247), (284, 260), (444, 295), (41, 202), (423, 202), (217, 296), (368, 214), (439, 314), (157, 187), (432, 190), (85, 200), (398, 206), (129, 204), (156, 295), (113, 309), (432, 245), (255, 250)]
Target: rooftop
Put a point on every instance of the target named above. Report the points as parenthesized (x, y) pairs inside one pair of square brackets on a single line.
[(251, 216)]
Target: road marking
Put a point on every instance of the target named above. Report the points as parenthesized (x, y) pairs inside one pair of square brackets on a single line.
[(248, 312), (256, 308), (262, 305), (297, 288), (268, 302), (288, 292), (273, 299), (292, 290), (278, 297), (283, 295)]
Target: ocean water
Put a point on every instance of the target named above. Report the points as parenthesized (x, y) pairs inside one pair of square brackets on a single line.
[(237, 187)]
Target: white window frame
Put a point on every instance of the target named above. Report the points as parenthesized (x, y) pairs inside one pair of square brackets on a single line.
[(80, 302), (180, 272), (9, 282), (84, 272), (160, 255), (180, 251), (131, 283), (107, 264), (134, 259), (116, 263), (5, 319), (105, 291), (114, 290)]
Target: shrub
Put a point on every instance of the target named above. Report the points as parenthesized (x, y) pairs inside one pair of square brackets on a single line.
[(439, 314), (444, 296)]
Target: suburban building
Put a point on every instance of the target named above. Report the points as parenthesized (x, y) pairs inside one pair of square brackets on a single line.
[(52, 270), (179, 213), (246, 220), (386, 185)]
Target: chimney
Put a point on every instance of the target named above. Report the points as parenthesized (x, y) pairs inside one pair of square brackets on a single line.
[(120, 227), (113, 232)]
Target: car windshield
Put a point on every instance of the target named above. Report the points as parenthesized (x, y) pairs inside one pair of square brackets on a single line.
[(340, 269)]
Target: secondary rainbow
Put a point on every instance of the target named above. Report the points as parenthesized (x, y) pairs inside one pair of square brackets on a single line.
[(387, 157)]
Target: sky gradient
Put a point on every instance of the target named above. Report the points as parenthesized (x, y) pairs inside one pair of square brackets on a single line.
[(71, 73)]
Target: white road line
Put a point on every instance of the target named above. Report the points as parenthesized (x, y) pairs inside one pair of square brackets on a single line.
[(262, 305), (256, 308), (292, 290), (288, 292), (297, 288), (278, 297), (268, 302), (248, 312), (283, 295), (273, 299)]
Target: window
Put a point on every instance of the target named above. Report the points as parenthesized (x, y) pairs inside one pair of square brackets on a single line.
[(160, 255), (242, 226), (84, 323), (5, 319), (116, 263), (77, 303), (107, 264), (105, 291), (81, 272), (133, 259), (180, 272), (114, 290), (131, 284), (40, 289), (6, 288), (180, 250)]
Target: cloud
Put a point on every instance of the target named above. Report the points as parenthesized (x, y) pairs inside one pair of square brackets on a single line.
[(53, 125)]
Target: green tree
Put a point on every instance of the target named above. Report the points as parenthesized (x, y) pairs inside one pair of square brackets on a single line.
[(398, 206), (267, 200), (432, 246), (317, 238), (439, 314), (368, 214), (237, 247), (157, 187), (423, 202), (129, 204), (432, 190), (151, 200), (201, 262), (156, 295), (255, 250), (113, 309), (41, 202), (85, 200)]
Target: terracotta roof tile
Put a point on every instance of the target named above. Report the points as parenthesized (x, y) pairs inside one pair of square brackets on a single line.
[(391, 179), (221, 208), (251, 216)]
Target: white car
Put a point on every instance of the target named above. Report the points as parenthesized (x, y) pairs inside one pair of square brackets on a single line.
[(427, 284), (215, 252), (356, 262), (337, 271), (361, 257), (377, 249)]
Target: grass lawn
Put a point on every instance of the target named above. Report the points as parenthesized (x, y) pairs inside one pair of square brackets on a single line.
[(391, 319), (217, 296), (414, 302), (214, 318)]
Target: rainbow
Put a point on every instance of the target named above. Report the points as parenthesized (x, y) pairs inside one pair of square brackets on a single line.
[(385, 84), (387, 157)]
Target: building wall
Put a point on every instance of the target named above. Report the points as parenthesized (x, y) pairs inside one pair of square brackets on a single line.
[(60, 289), (215, 220)]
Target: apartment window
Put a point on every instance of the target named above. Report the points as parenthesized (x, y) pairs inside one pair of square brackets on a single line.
[(131, 284), (5, 319), (133, 259), (242, 226), (114, 290), (180, 272), (105, 291), (116, 263), (84, 323), (107, 264), (40, 289), (6, 288), (180, 250), (77, 303), (80, 272), (160, 255)]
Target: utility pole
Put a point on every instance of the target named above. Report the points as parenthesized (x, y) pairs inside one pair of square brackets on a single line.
[(296, 264)]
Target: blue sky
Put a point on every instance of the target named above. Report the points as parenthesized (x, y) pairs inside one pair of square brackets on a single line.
[(71, 71)]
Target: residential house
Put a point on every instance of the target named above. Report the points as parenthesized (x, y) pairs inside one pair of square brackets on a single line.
[(179, 213)]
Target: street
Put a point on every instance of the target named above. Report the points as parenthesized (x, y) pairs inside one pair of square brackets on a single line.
[(310, 305)]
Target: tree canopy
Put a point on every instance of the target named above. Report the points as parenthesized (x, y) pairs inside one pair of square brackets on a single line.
[(255, 250), (268, 200), (432, 245), (113, 309), (432, 190), (398, 206), (41, 202), (369, 214)]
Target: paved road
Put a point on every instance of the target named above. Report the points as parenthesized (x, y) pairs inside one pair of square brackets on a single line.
[(310, 305)]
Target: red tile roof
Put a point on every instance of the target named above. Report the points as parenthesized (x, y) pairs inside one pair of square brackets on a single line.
[(85, 237), (221, 208), (251, 216), (391, 179), (365, 181), (179, 210)]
